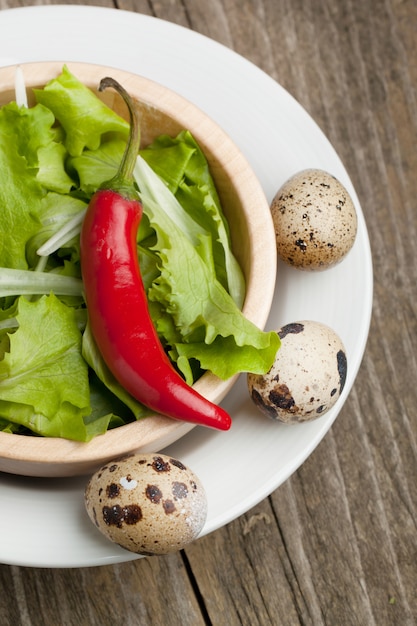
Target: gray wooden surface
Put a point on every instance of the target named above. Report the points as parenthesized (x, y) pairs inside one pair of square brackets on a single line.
[(337, 543)]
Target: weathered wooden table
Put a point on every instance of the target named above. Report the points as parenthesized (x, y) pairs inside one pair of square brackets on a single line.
[(337, 543)]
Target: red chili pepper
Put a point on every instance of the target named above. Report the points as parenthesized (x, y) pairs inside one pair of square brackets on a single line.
[(116, 300)]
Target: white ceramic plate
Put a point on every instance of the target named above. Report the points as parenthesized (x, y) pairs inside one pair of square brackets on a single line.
[(43, 522)]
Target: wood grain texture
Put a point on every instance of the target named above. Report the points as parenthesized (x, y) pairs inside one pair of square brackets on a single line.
[(336, 545)]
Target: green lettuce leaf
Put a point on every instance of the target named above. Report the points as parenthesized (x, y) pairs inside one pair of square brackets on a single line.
[(43, 377), (83, 116), (51, 168), (180, 162), (20, 193), (94, 167), (36, 139), (35, 163), (203, 313), (55, 210)]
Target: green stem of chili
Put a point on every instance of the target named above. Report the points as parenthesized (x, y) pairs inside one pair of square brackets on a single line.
[(122, 182)]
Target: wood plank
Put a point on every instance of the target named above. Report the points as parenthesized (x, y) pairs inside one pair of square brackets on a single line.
[(148, 591)]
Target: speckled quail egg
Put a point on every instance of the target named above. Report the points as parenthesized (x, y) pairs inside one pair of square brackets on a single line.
[(150, 504), (315, 220), (307, 377)]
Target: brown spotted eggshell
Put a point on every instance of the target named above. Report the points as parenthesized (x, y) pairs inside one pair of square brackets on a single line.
[(307, 377), (315, 220), (147, 503)]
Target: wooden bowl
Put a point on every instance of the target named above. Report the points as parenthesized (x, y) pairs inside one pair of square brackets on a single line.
[(253, 241)]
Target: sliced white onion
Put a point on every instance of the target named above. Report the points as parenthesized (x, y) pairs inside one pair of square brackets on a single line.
[(20, 88)]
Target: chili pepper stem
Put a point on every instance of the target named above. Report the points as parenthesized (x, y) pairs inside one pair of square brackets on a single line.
[(122, 183)]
